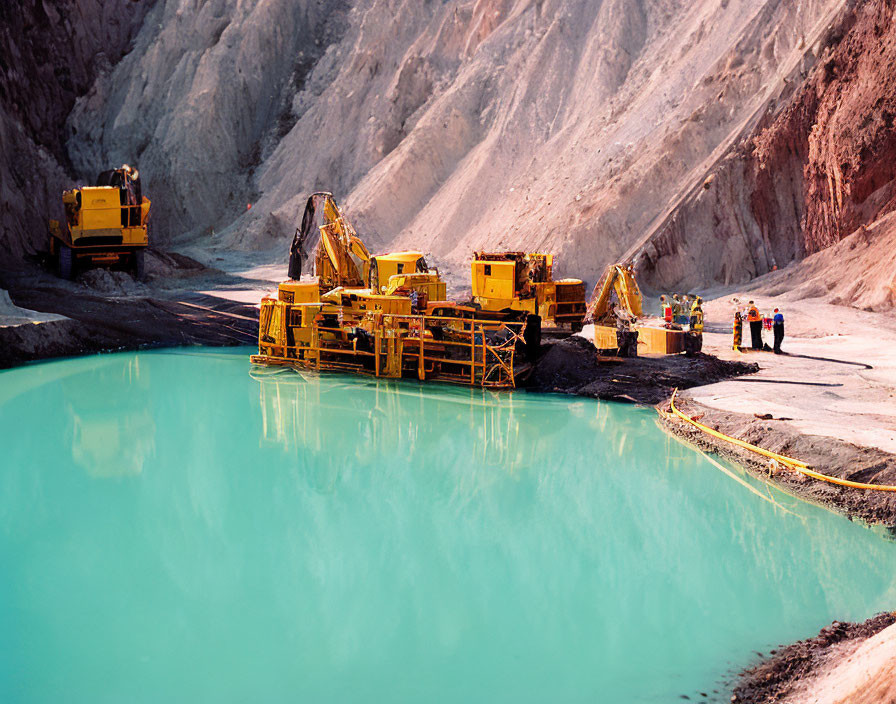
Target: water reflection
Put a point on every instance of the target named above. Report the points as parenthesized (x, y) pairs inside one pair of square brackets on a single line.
[(368, 418), (280, 535), (111, 416)]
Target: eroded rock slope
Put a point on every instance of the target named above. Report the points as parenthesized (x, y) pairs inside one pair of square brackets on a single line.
[(560, 124), (50, 53), (711, 140), (818, 168)]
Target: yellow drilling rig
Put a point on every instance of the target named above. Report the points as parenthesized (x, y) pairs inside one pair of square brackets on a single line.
[(523, 281), (616, 309), (384, 316)]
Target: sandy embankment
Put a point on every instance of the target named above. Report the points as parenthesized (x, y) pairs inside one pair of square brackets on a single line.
[(858, 672), (831, 401), (846, 663)]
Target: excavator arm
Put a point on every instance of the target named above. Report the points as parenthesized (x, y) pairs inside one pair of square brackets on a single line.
[(620, 279), (341, 259)]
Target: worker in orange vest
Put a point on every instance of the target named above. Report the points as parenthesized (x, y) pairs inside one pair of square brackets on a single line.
[(755, 321)]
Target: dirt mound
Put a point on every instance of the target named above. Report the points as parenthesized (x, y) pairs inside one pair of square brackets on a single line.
[(166, 265), (572, 366), (775, 678), (106, 281)]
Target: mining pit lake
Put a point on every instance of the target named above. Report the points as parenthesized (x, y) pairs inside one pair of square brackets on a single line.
[(177, 527)]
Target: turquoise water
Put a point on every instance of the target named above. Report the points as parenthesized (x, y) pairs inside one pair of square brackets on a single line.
[(172, 529)]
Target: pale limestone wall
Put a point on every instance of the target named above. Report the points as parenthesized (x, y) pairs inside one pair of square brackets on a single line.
[(569, 125)]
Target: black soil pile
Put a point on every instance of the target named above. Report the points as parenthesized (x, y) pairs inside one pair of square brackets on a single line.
[(99, 324), (829, 456), (572, 366), (775, 678), (109, 311)]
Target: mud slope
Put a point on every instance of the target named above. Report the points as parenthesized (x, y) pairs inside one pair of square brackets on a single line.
[(818, 168), (571, 125)]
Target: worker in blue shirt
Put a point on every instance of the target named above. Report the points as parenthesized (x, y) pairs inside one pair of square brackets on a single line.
[(778, 329)]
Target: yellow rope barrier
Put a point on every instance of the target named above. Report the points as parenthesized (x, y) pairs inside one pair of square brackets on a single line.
[(796, 465)]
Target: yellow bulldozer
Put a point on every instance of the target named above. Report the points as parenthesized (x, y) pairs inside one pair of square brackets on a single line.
[(104, 225), (523, 281), (616, 309)]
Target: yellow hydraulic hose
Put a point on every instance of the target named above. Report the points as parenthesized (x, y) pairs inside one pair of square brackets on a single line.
[(727, 472), (796, 465)]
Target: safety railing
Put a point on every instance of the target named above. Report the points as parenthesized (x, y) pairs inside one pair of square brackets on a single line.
[(401, 345)]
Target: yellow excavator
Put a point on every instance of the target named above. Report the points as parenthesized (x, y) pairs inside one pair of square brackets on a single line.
[(616, 309), (104, 225), (616, 294), (342, 260)]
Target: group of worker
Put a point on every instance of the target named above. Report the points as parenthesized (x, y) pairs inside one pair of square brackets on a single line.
[(682, 310), (755, 319)]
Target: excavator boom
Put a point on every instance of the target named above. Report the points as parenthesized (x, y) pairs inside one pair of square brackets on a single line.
[(618, 279), (340, 259)]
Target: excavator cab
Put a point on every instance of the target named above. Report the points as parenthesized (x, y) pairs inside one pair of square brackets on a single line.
[(406, 274), (384, 266)]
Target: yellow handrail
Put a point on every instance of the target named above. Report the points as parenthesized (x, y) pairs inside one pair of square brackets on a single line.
[(796, 465)]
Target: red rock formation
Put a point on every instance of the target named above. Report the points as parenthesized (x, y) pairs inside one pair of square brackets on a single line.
[(839, 128), (818, 166)]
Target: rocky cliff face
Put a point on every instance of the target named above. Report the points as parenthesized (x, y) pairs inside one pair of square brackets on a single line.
[(50, 53), (559, 124), (201, 101), (568, 126), (679, 132), (819, 165)]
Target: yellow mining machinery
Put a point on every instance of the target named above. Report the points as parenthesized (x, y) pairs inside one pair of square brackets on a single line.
[(401, 326), (523, 281), (104, 225), (341, 258), (616, 308)]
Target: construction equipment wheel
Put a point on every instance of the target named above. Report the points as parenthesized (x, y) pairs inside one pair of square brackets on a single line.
[(139, 265), (64, 262)]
